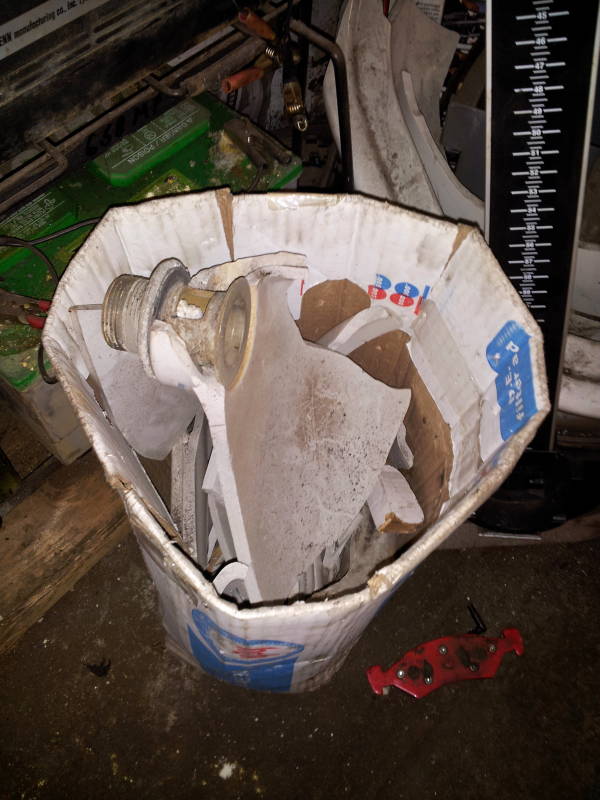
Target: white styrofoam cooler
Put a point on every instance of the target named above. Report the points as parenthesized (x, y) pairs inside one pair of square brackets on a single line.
[(474, 343)]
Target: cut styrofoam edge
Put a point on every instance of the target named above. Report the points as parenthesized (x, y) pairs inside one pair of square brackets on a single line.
[(410, 24), (264, 232), (579, 397), (212, 542), (481, 373), (233, 509), (220, 533), (299, 288), (464, 439), (219, 277), (455, 200), (184, 503), (325, 568), (305, 585), (325, 575), (401, 249), (405, 452), (392, 495), (141, 257), (210, 394), (333, 554), (211, 483), (355, 331), (121, 471), (233, 571), (221, 527), (365, 602), (171, 362)]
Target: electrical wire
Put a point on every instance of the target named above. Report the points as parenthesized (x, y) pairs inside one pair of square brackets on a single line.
[(13, 241), (41, 365), (84, 223), (260, 171), (31, 244)]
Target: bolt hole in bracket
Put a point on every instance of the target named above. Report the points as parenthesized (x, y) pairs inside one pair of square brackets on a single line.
[(446, 660)]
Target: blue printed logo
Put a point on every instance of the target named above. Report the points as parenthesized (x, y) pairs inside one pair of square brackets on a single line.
[(255, 663), (404, 294), (508, 355)]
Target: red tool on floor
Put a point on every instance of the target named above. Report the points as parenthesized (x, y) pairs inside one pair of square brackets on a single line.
[(23, 309), (447, 660)]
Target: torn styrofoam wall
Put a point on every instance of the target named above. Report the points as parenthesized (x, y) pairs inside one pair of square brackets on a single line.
[(385, 160), (417, 267), (394, 254), (396, 68)]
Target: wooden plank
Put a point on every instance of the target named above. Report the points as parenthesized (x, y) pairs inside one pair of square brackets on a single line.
[(51, 540)]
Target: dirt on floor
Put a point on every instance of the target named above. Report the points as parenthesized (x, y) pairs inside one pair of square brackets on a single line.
[(154, 727)]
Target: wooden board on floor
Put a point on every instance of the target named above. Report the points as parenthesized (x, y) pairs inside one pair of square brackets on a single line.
[(51, 539)]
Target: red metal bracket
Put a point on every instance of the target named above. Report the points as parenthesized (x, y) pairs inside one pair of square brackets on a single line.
[(446, 660)]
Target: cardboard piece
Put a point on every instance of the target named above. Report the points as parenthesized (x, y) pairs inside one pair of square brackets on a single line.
[(427, 434), (387, 359), (329, 304)]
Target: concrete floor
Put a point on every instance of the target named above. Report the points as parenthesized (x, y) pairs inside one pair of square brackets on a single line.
[(155, 727)]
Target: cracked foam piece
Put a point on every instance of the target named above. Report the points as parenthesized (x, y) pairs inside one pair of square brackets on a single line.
[(392, 504), (361, 328), (307, 432)]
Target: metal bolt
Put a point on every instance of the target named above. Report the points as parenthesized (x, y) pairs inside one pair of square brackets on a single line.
[(401, 673), (473, 667), (442, 649), (492, 648), (428, 679)]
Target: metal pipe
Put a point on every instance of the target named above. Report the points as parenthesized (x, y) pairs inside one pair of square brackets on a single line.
[(341, 91), (164, 88)]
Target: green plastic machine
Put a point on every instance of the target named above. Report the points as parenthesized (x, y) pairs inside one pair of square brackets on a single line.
[(185, 149)]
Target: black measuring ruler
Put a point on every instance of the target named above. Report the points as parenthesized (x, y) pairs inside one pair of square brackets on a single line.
[(541, 78)]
